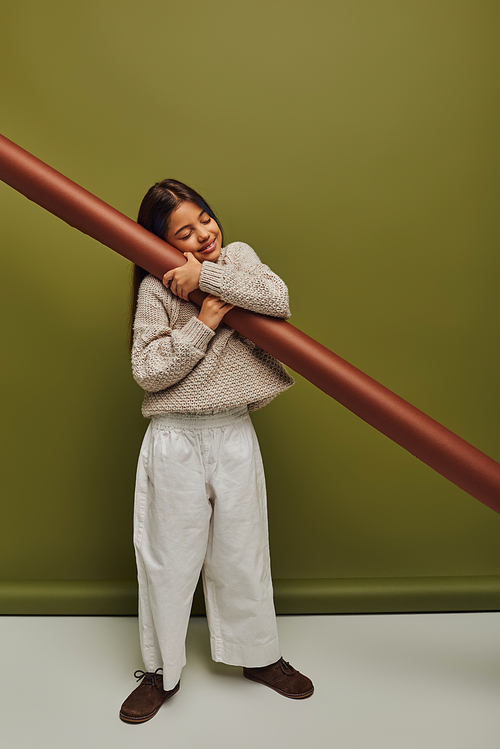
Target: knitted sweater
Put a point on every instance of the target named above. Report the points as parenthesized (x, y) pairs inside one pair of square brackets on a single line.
[(183, 365)]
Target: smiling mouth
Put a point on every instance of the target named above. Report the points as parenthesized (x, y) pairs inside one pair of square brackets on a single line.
[(209, 247)]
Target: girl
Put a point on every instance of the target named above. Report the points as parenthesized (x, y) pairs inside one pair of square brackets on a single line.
[(200, 501)]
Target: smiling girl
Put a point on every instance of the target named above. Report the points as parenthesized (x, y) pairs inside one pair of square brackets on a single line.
[(200, 501)]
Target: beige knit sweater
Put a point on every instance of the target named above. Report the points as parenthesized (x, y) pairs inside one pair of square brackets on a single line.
[(183, 365)]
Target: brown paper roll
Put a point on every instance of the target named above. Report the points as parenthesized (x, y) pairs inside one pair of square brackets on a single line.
[(442, 450)]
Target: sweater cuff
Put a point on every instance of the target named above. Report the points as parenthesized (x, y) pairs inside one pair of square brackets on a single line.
[(211, 278), (197, 333)]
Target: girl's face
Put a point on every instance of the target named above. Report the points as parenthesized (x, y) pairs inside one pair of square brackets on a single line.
[(191, 229)]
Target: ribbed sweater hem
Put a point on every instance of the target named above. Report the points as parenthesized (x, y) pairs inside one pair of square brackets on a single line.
[(211, 278), (197, 333)]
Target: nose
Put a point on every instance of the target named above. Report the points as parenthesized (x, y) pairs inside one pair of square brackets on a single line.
[(203, 234)]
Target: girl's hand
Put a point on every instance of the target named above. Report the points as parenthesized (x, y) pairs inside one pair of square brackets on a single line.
[(184, 279), (213, 310)]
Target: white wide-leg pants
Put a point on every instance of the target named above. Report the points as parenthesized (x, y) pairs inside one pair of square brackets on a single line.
[(200, 504)]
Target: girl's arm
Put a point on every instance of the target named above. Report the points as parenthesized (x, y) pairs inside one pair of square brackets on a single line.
[(246, 282), (162, 356)]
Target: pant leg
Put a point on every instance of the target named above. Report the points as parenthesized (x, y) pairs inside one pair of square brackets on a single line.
[(171, 523), (236, 573)]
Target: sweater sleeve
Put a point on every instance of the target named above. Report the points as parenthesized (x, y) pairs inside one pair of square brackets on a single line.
[(246, 282), (162, 356)]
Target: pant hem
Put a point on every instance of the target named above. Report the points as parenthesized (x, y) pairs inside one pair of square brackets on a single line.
[(233, 654), (172, 675)]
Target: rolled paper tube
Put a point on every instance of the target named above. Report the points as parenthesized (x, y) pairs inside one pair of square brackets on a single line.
[(438, 447)]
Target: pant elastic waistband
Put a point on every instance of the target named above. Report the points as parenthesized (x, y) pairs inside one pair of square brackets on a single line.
[(201, 419)]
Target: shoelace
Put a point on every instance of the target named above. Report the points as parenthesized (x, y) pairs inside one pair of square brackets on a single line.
[(148, 676), (285, 667)]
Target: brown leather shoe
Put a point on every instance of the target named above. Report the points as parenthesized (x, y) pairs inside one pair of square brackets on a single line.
[(146, 699), (283, 678)]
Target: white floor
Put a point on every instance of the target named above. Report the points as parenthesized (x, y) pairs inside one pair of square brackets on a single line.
[(423, 681)]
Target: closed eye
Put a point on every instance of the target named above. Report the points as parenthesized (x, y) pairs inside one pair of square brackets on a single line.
[(206, 220)]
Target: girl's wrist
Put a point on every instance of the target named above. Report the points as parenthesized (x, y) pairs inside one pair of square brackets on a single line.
[(206, 324)]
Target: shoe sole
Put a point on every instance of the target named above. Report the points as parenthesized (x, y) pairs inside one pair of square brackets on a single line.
[(301, 696), (144, 718)]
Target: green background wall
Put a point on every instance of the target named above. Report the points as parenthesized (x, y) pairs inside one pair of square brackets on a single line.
[(355, 146)]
